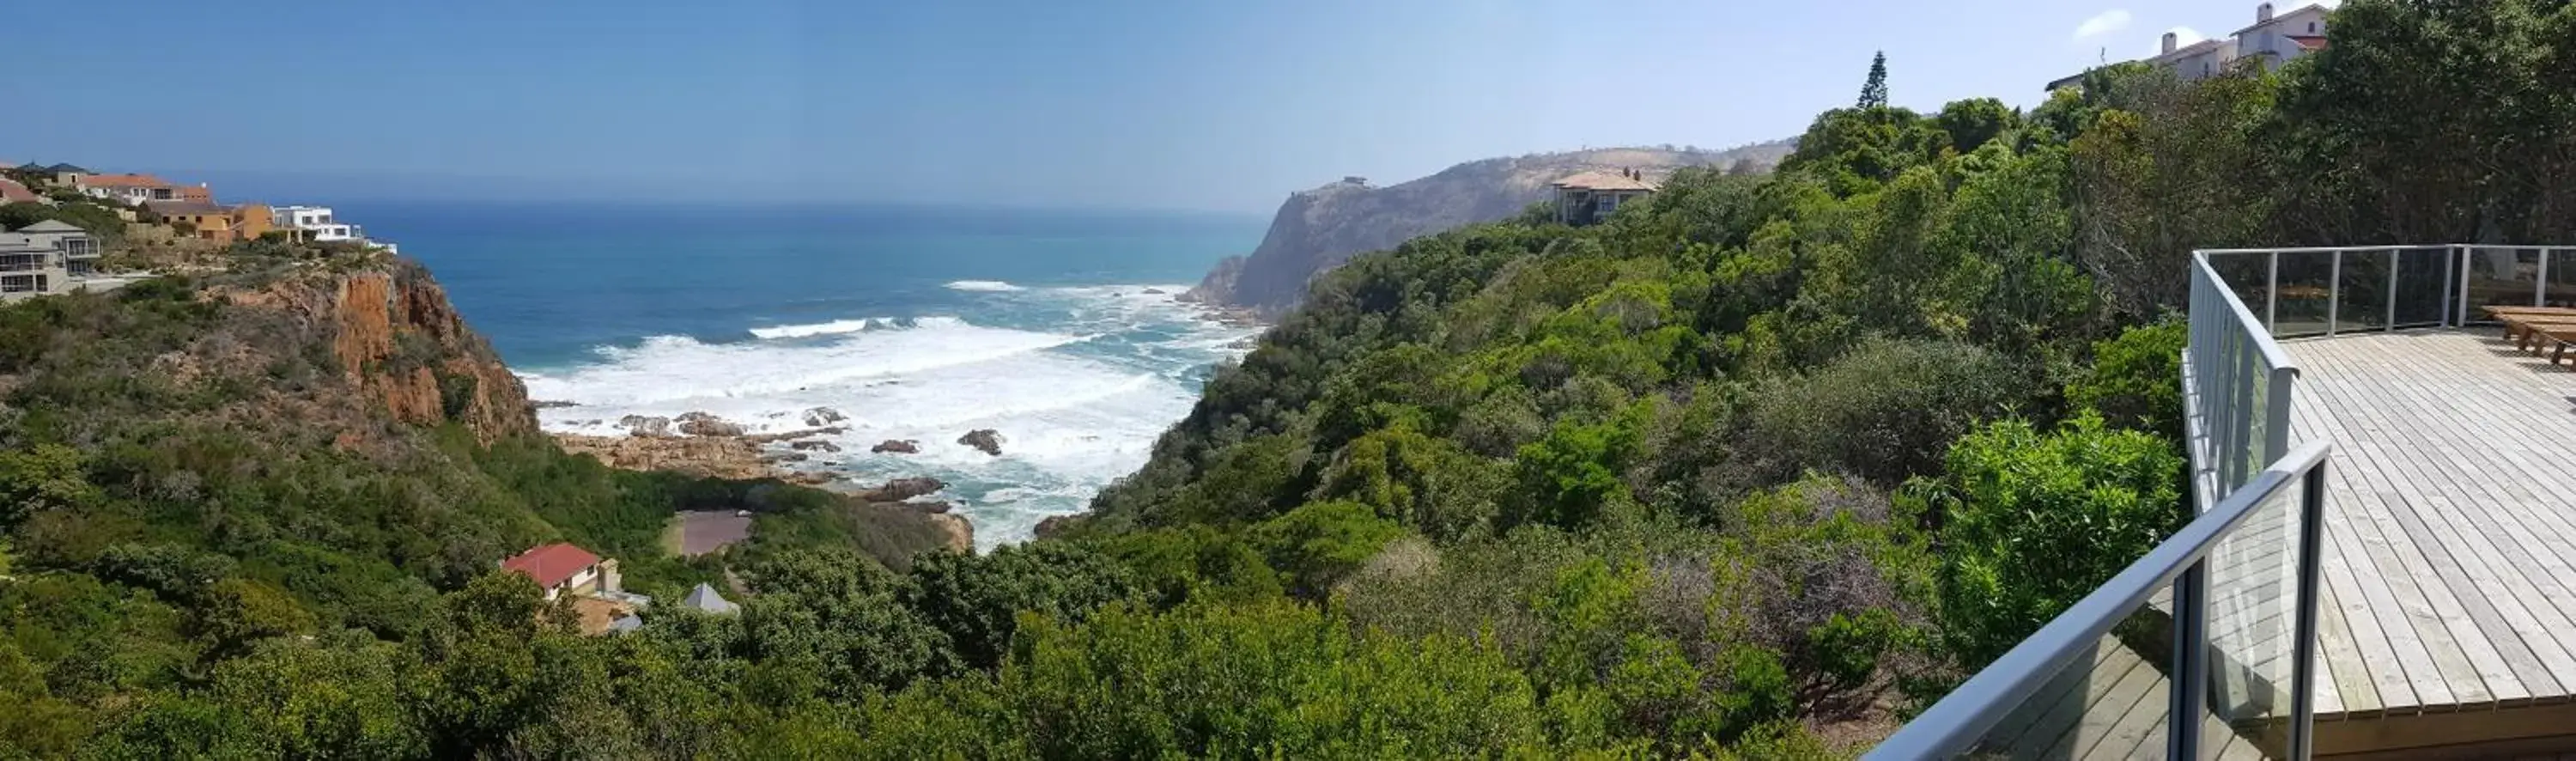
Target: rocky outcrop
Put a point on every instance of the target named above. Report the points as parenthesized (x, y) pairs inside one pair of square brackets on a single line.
[(397, 340), (642, 425), (814, 446), (901, 489), (704, 424), (823, 416), (732, 457), (906, 446), (985, 439), (1054, 526), (961, 534), (1318, 229)]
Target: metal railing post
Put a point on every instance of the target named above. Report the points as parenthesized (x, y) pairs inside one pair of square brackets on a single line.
[(2334, 290), (2271, 290), (2450, 271), (2276, 423), (2303, 651), (2394, 260), (2540, 282), (2190, 687), (2240, 424)]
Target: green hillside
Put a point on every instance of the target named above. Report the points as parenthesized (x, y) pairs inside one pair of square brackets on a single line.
[(1749, 471)]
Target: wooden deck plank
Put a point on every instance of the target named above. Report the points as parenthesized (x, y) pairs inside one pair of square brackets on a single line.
[(2104, 711), (2474, 666), (2463, 416), (2511, 607), (2451, 521)]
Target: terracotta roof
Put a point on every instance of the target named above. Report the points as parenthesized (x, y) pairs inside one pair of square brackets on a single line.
[(551, 565), (12, 192), (2310, 43), (184, 207), (1603, 180), (123, 181), (2285, 16)]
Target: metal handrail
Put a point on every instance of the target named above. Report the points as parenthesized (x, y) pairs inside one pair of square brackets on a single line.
[(1953, 725)]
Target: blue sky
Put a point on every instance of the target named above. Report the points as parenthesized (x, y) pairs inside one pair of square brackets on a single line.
[(1119, 104)]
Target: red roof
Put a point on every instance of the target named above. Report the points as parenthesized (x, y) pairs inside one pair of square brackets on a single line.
[(553, 564), (2310, 43), (123, 181), (12, 192)]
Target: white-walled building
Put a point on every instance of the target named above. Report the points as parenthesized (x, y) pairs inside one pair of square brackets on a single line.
[(2277, 38), (317, 223), (2283, 38)]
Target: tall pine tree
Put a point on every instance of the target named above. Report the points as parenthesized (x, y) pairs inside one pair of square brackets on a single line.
[(1873, 94)]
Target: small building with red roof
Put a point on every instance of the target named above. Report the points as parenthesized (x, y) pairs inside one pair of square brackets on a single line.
[(562, 568), (13, 192)]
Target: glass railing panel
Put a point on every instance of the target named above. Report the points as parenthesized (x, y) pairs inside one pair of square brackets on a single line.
[(2422, 274), (2109, 701), (2363, 296), (2306, 289), (2248, 275), (2252, 621), (2500, 275), (2561, 290)]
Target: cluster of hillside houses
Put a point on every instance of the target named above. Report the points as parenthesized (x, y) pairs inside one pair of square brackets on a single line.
[(2274, 39), (52, 257)]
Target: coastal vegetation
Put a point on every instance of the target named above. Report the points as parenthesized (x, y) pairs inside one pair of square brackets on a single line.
[(1748, 470)]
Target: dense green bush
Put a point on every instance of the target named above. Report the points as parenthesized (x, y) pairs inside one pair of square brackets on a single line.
[(2034, 521), (1887, 410), (2136, 379)]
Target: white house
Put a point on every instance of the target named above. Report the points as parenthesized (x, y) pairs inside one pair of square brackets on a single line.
[(2199, 60), (2277, 39), (2283, 38), (317, 223)]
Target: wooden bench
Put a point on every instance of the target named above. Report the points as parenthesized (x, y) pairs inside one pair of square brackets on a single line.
[(2518, 320), (2558, 335)]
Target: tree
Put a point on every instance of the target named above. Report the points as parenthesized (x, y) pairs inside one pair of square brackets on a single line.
[(1972, 122), (977, 599), (1873, 92)]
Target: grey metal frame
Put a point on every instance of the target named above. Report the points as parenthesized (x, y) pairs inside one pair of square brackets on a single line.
[(2455, 284), (1952, 726)]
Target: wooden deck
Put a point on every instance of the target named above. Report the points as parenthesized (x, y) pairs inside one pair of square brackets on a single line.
[(2115, 707), (2448, 611)]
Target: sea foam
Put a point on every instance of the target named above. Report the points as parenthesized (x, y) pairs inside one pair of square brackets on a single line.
[(1079, 388), (983, 285)]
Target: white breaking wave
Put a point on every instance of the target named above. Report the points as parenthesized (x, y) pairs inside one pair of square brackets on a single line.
[(817, 329), (1078, 401), (982, 285)]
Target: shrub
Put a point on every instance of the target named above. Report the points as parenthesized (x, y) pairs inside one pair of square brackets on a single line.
[(2136, 379), (1315, 546), (2032, 522), (1884, 411), (1846, 649)]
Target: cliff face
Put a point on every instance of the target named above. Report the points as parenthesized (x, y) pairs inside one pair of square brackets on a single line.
[(399, 346), (1318, 229)]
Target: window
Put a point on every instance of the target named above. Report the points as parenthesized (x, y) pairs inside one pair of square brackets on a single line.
[(2312, 27), (21, 283)]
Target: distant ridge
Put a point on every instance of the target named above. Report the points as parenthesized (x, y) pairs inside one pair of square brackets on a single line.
[(1317, 230)]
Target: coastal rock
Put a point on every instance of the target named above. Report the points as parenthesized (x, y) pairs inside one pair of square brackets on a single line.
[(906, 446), (1154, 291), (714, 457), (785, 457), (985, 439), (932, 507), (704, 424), (961, 534), (901, 489), (1054, 526), (769, 438), (814, 446), (823, 416), (544, 404), (641, 425)]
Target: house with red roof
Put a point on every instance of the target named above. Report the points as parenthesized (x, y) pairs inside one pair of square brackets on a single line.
[(562, 568), (13, 192)]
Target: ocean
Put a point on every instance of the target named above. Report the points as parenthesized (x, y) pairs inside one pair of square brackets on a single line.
[(1060, 330)]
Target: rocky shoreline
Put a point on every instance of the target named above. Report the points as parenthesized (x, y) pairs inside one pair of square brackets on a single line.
[(701, 444)]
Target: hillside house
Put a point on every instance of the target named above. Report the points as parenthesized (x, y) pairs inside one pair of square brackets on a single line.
[(129, 189), (1589, 197), (562, 568), (316, 224), (2275, 38), (12, 191), (48, 257), (2283, 38)]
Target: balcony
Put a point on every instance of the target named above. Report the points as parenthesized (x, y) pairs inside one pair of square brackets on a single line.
[(2381, 565)]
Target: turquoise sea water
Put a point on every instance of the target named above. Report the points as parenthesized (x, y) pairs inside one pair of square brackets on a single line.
[(916, 323)]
